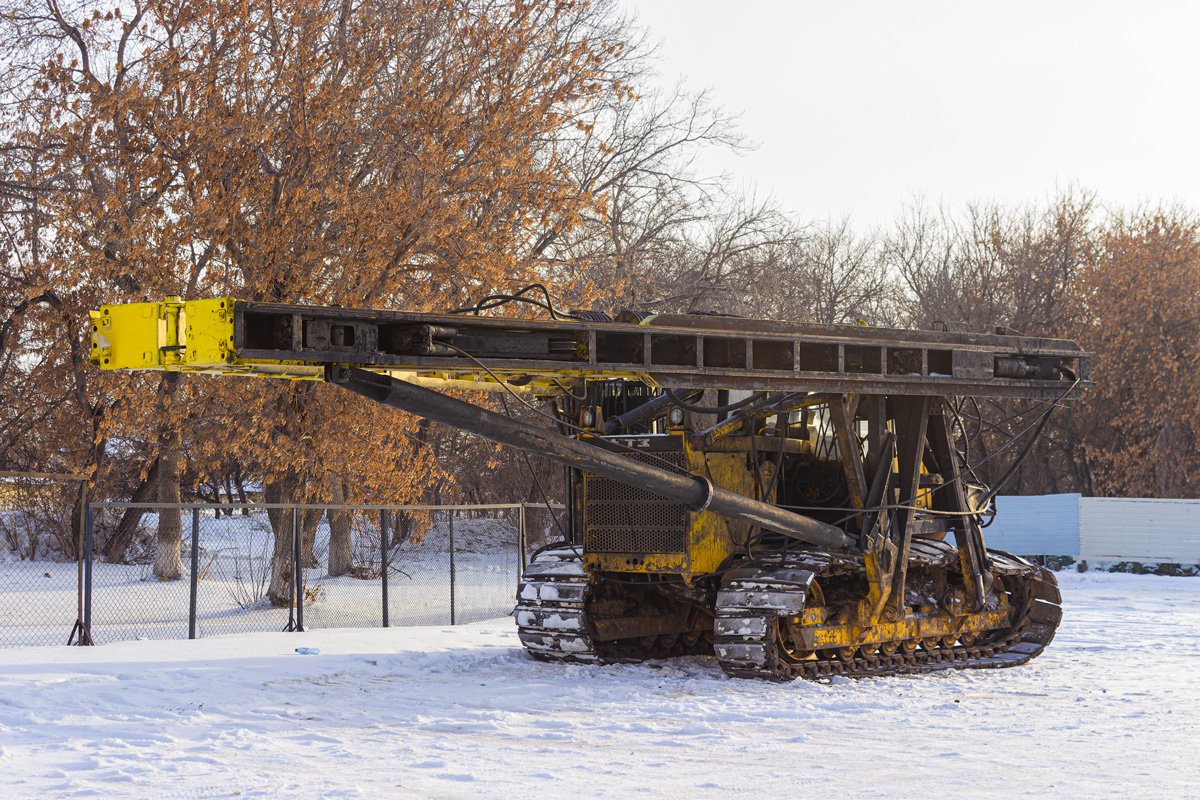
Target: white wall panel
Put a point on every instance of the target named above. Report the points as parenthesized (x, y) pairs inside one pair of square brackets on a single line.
[(1036, 525), (1125, 529)]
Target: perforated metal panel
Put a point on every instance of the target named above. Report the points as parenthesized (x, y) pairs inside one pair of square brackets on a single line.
[(636, 515), (640, 541), (624, 519)]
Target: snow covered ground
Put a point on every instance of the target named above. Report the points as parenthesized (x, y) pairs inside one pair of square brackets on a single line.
[(1112, 709)]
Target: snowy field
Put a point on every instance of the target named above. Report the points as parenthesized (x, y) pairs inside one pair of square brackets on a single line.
[(1111, 710)]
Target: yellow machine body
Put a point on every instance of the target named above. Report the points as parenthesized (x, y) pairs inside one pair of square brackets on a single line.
[(669, 538), (836, 567)]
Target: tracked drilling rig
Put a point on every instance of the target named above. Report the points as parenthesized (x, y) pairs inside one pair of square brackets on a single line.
[(791, 498)]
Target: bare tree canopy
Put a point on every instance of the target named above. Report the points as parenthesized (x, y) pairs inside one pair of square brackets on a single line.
[(424, 153)]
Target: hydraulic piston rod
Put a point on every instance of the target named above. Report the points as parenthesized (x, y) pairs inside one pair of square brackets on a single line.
[(694, 492)]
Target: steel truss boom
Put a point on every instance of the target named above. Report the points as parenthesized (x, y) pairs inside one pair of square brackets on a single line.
[(227, 336)]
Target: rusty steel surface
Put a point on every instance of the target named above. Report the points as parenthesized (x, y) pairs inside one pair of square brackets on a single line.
[(745, 649)]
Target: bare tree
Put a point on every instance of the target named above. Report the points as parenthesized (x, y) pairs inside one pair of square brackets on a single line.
[(997, 267), (829, 274)]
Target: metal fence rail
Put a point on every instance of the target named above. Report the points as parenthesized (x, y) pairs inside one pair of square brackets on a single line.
[(394, 565)]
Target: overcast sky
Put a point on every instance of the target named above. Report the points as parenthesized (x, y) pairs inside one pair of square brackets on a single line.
[(859, 106)]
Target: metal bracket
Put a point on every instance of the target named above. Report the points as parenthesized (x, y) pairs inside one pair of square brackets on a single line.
[(708, 494)]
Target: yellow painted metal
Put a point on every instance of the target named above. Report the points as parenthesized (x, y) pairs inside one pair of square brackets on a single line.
[(127, 337), (648, 564), (818, 615), (209, 332), (197, 336), (710, 539), (173, 335), (879, 566), (818, 636)]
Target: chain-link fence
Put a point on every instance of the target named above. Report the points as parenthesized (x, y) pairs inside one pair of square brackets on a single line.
[(41, 534), (272, 567)]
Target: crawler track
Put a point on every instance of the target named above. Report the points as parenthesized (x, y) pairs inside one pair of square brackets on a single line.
[(749, 607), (556, 613), (559, 607), (551, 619)]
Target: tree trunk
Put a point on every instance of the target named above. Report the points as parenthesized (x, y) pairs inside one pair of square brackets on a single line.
[(73, 542), (228, 495), (402, 531), (341, 556), (241, 490), (168, 563), (309, 520), (278, 490), (146, 491)]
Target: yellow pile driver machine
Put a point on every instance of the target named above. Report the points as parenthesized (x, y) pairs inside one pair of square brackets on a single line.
[(776, 494)]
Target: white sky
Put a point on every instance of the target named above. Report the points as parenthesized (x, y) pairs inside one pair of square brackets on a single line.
[(859, 106)]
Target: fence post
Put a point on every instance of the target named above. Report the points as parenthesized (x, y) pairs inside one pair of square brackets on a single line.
[(383, 560), (451, 517), (291, 623), (83, 586), (195, 571), (79, 534), (521, 540), (87, 573), (297, 566)]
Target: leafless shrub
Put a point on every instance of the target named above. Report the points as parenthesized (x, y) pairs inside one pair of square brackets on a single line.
[(244, 571), (37, 522)]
